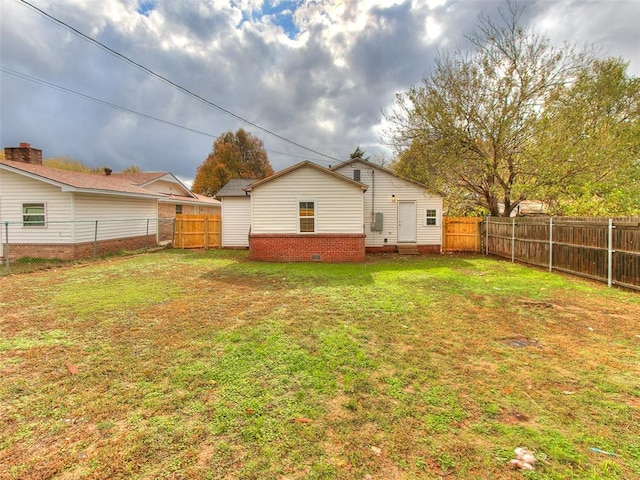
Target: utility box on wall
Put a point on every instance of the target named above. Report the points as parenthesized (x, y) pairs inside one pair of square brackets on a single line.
[(376, 226)]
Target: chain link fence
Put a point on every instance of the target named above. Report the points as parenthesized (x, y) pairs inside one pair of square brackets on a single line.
[(27, 246)]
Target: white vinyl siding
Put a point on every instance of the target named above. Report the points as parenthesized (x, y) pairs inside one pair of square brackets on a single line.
[(338, 207), (383, 187), (17, 190), (167, 186), (118, 217), (236, 219)]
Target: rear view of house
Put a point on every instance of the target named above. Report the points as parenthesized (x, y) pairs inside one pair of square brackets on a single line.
[(307, 213), (399, 213), (311, 213)]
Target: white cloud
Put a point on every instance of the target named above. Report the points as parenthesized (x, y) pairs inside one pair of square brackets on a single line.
[(322, 85)]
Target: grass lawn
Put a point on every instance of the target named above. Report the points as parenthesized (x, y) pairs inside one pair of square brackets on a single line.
[(204, 365)]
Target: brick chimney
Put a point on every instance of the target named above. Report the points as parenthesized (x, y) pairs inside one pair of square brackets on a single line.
[(24, 153)]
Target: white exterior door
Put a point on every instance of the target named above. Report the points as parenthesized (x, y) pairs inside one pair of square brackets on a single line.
[(406, 222)]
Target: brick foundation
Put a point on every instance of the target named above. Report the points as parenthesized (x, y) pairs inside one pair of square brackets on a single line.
[(429, 248), (68, 251), (394, 249), (307, 248)]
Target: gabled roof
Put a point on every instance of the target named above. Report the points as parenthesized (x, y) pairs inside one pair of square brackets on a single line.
[(300, 165), (127, 184), (147, 179), (78, 181), (382, 169), (235, 187)]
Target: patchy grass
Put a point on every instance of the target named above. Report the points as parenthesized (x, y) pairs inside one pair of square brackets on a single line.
[(204, 365)]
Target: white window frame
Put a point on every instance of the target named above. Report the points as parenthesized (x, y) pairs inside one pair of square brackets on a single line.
[(314, 217), (426, 217), (39, 224)]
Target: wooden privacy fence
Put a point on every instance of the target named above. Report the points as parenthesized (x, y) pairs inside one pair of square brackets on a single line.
[(604, 249), (461, 234), (197, 231)]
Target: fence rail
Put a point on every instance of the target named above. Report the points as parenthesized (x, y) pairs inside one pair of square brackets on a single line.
[(25, 246), (603, 249)]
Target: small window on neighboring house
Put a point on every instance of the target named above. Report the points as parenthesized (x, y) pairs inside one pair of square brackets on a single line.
[(356, 175), (430, 217), (178, 209), (307, 215), (33, 214)]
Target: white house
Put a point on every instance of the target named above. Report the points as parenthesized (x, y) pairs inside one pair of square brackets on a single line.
[(398, 211), (307, 212), (52, 213)]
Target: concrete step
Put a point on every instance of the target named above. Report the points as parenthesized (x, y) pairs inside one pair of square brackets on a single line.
[(407, 249)]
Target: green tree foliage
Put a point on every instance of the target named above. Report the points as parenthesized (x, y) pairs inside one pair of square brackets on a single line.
[(234, 155), (359, 154), (474, 128), (590, 143)]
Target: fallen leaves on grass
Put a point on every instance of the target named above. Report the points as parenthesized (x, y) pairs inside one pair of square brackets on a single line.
[(71, 368)]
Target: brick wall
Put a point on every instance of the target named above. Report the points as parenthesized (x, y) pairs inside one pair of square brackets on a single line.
[(24, 153), (81, 250), (429, 248), (307, 248), (394, 248)]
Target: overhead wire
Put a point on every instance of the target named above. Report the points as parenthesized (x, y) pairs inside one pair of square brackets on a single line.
[(99, 101), (164, 79)]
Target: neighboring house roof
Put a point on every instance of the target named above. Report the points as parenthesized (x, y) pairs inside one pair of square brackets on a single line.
[(383, 169), (77, 181), (297, 166), (129, 184), (235, 187)]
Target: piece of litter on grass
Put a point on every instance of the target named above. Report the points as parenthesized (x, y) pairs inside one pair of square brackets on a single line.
[(597, 450), (590, 329), (376, 451), (568, 392), (525, 459)]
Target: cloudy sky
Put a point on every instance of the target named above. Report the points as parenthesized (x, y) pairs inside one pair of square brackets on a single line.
[(317, 73)]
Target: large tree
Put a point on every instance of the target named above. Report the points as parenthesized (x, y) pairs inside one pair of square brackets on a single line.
[(469, 128), (234, 155), (591, 129)]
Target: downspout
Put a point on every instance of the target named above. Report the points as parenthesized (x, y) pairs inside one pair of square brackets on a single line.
[(373, 197)]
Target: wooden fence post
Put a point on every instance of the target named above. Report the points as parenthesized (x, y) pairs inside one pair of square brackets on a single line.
[(513, 239), (486, 236), (610, 253), (550, 244)]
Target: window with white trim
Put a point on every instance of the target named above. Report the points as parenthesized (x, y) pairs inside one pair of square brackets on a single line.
[(430, 217), (307, 217), (33, 214)]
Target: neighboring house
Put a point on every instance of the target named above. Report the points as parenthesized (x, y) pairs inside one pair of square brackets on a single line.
[(398, 211), (236, 213), (53, 213), (305, 213)]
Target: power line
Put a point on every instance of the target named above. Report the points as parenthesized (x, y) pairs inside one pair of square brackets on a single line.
[(167, 81), (104, 103)]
